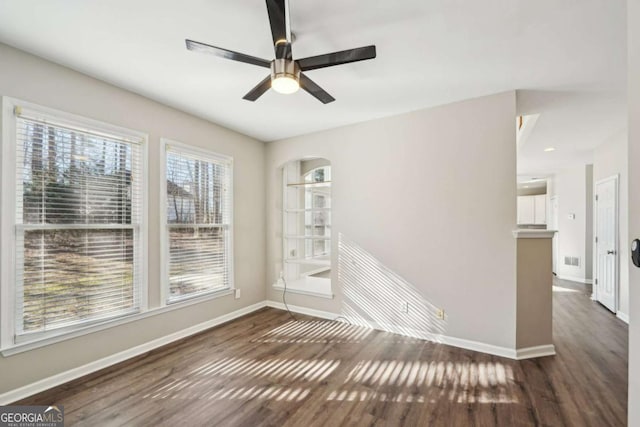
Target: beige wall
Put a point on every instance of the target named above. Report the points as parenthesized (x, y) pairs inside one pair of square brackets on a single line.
[(609, 159), (33, 79), (534, 299), (307, 165), (634, 208), (532, 191), (403, 205)]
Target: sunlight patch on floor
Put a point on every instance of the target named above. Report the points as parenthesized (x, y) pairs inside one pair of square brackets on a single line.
[(470, 382), (315, 331), (561, 289), (274, 371)]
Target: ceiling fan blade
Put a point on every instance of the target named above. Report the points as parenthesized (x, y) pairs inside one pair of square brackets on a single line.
[(228, 54), (278, 21), (310, 86), (257, 91), (337, 58)]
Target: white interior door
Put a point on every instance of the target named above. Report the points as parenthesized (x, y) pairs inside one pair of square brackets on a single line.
[(606, 286), (553, 225)]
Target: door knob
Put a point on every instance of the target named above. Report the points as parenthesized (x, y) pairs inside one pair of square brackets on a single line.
[(611, 252)]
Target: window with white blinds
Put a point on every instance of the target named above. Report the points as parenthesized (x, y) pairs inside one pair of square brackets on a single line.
[(198, 222), (78, 212)]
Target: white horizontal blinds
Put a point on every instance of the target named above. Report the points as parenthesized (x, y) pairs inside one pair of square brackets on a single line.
[(78, 213), (198, 220)]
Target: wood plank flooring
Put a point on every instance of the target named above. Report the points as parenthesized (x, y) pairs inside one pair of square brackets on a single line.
[(267, 370)]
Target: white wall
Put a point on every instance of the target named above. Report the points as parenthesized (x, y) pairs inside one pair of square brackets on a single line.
[(33, 79), (633, 20), (588, 226), (412, 226), (609, 159), (573, 188), (551, 187)]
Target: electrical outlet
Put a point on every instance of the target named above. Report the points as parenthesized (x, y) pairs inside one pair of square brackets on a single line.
[(237, 293), (280, 281), (440, 313), (404, 307)]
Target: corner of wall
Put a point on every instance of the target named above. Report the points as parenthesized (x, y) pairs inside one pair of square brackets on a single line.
[(588, 230)]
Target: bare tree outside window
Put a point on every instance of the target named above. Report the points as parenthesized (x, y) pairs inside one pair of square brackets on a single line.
[(75, 234), (198, 225)]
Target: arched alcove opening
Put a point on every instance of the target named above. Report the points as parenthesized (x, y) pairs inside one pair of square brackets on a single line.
[(306, 226)]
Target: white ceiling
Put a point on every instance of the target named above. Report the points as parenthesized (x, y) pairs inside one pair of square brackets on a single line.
[(568, 57)]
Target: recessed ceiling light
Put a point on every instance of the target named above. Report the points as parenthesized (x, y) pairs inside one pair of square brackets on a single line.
[(526, 186), (549, 149)]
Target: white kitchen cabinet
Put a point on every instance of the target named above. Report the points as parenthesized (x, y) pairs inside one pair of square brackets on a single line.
[(540, 209), (532, 210), (526, 210)]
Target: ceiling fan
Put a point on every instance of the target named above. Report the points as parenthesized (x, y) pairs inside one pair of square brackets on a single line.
[(286, 73)]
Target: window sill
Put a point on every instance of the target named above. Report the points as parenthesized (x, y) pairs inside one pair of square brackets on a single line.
[(320, 288), (66, 335)]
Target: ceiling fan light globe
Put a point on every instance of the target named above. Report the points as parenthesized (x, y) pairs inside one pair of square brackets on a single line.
[(285, 84)]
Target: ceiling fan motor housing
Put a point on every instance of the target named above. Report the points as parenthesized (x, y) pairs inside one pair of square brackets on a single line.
[(285, 68)]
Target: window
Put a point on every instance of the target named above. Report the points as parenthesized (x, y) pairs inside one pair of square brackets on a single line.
[(76, 215), (198, 242)]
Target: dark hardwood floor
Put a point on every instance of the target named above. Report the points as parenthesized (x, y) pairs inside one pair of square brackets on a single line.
[(267, 370)]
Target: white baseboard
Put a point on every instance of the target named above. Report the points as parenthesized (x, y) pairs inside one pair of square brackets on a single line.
[(537, 351), (63, 377), (510, 353), (448, 340), (303, 310), (576, 279), (478, 346), (623, 316), (526, 353)]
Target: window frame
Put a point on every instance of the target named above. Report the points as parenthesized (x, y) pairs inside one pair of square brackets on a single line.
[(8, 225), (165, 292)]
